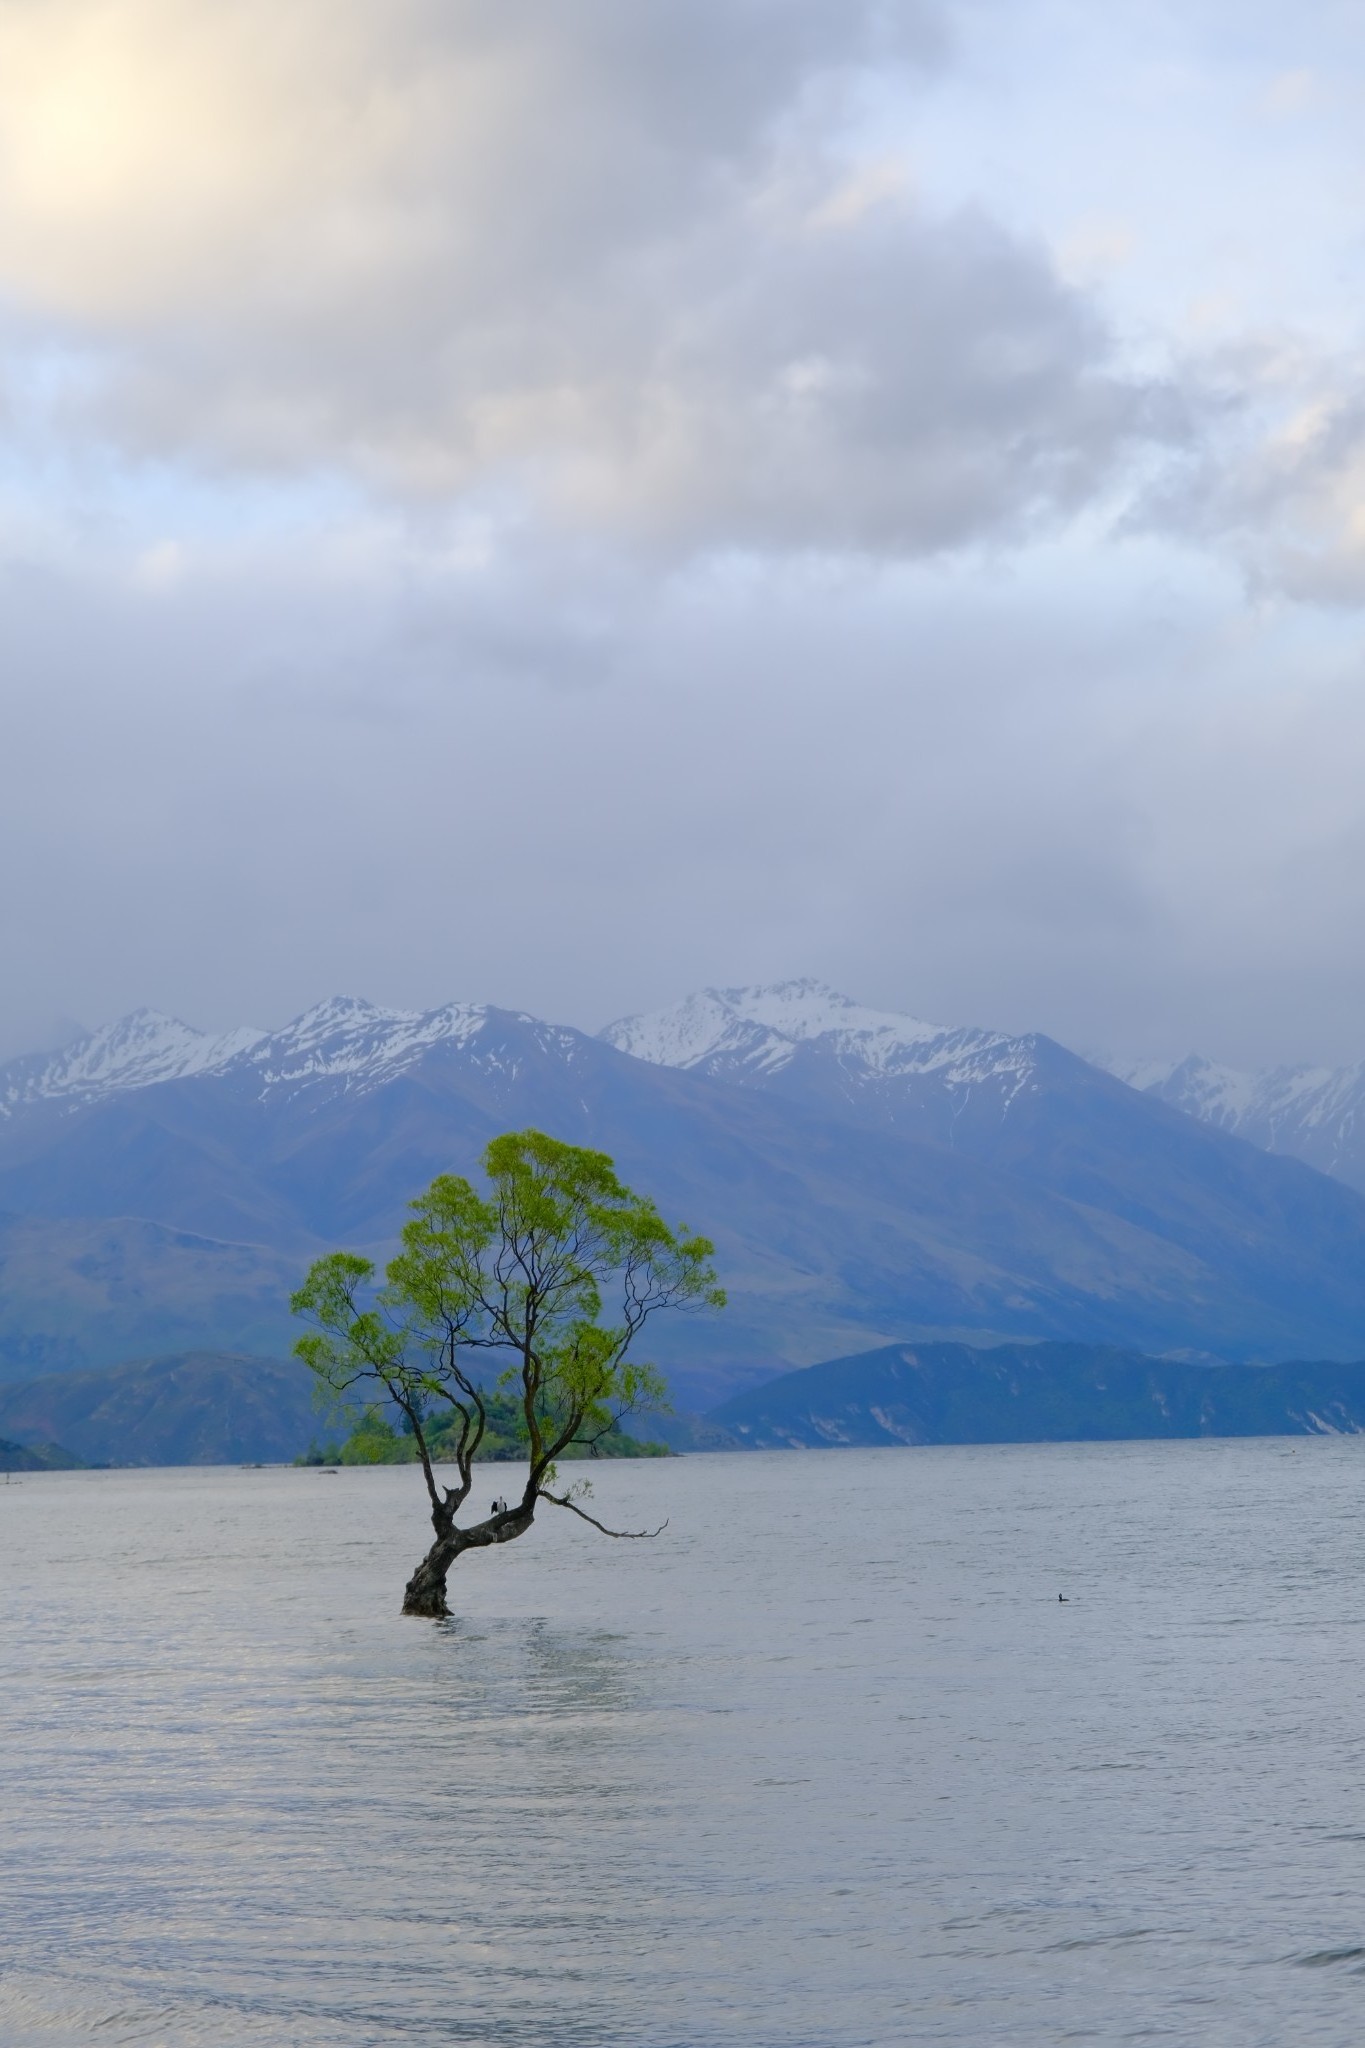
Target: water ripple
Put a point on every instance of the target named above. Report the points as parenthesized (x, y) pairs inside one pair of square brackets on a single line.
[(827, 1766)]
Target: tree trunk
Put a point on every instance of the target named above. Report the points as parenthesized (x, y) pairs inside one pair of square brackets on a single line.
[(426, 1589)]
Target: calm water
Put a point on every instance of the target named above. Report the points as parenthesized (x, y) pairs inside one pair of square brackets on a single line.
[(827, 1764)]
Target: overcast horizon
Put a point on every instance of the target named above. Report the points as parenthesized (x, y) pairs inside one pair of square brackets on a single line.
[(562, 506)]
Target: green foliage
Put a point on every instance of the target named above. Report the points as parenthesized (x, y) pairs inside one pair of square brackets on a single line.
[(375, 1441), (541, 1284), (320, 1454)]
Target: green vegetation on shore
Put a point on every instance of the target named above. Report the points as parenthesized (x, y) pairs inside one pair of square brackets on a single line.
[(38, 1458), (375, 1441)]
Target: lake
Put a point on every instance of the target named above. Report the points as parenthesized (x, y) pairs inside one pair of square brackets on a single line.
[(827, 1764)]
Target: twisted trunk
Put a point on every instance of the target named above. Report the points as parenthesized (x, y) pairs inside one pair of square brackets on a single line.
[(425, 1594)]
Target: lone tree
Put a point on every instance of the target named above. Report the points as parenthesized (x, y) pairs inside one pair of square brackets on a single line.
[(517, 1280)]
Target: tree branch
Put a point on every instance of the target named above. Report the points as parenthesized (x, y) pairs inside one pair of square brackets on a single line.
[(412, 1409), (632, 1535)]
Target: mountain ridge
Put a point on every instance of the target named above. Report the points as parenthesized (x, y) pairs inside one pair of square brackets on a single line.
[(863, 1177), (188, 1408), (1315, 1114), (903, 1394), (342, 1040), (740, 1033)]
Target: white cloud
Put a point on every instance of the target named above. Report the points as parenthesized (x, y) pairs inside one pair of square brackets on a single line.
[(563, 503), (626, 263), (1279, 478)]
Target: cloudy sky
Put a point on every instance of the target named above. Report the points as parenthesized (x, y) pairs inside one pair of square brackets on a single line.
[(564, 501)]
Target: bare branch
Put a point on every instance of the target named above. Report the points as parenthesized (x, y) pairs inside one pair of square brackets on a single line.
[(631, 1535), (412, 1409)]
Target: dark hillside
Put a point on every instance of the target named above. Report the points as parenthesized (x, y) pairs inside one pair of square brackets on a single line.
[(1040, 1393), (195, 1408), (37, 1458)]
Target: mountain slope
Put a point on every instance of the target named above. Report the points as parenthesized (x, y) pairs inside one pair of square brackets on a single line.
[(87, 1292), (865, 1180), (807, 1040), (196, 1408), (961, 1088), (38, 1457), (823, 1233), (1043, 1393), (1316, 1114), (343, 1045), (1027, 1107)]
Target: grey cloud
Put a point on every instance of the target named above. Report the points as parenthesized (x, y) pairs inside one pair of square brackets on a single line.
[(1283, 479), (230, 799), (528, 512), (617, 263), (901, 387)]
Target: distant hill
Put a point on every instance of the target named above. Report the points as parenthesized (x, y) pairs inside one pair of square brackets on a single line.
[(37, 1458), (206, 1408), (194, 1408), (866, 1179), (1040, 1393)]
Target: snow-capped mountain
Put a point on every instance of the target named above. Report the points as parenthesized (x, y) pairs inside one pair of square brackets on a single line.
[(800, 1039), (1316, 1114), (805, 1040), (739, 1034), (346, 1043), (745, 1027), (866, 1178), (136, 1052), (355, 1046), (963, 1086)]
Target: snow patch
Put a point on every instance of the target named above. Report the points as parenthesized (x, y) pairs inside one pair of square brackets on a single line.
[(719, 1020), (1311, 1113), (345, 1042), (137, 1052), (738, 1033)]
